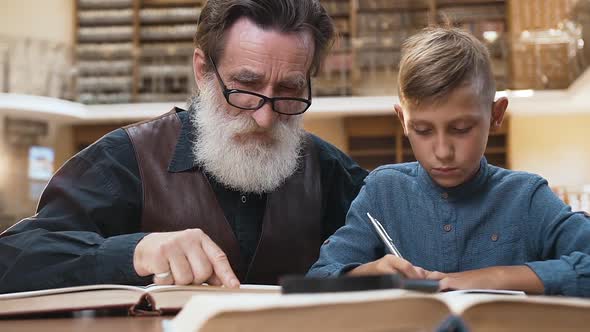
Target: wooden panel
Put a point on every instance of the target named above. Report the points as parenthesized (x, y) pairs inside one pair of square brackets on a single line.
[(371, 125)]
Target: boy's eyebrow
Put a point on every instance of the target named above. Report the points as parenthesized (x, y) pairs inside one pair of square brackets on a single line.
[(419, 122), (465, 118)]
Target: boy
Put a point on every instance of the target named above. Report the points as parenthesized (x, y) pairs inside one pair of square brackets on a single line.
[(454, 217)]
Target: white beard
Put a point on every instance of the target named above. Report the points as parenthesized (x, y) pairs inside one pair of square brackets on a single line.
[(249, 166)]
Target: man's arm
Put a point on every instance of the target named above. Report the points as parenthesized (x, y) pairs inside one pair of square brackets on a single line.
[(86, 226)]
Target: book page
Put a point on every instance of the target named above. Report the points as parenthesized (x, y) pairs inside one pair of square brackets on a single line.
[(459, 302), (484, 291), (488, 312), (65, 290), (204, 287), (264, 312), (60, 300), (173, 298)]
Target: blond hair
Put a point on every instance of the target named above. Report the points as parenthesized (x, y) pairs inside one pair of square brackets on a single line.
[(438, 60)]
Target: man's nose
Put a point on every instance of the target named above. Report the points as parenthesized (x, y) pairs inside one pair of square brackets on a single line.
[(265, 117)]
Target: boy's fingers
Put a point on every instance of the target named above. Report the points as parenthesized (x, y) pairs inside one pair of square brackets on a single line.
[(435, 275)]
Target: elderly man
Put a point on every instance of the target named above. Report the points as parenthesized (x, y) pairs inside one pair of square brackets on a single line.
[(231, 190)]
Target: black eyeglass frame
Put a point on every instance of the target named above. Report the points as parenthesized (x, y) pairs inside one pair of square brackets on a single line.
[(227, 92)]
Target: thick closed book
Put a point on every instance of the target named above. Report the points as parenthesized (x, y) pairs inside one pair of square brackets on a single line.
[(380, 310), (148, 300)]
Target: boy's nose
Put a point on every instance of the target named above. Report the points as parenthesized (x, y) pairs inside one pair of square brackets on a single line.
[(444, 150)]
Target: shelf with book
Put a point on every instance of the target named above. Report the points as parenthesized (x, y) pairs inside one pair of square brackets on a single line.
[(333, 79), (166, 30), (104, 51), (380, 29), (143, 38)]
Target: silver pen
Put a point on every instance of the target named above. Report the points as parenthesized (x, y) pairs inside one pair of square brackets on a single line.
[(384, 236)]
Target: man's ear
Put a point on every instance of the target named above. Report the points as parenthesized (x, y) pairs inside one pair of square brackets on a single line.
[(199, 65), (498, 110), (400, 115)]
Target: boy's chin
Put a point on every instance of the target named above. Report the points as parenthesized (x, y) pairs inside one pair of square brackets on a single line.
[(448, 182)]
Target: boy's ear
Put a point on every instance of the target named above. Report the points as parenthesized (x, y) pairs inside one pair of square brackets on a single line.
[(199, 65), (400, 115), (498, 110)]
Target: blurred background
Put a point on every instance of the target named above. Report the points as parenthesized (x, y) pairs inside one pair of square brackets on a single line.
[(73, 70)]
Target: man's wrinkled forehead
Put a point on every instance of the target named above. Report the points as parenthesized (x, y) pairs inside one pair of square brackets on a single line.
[(247, 35)]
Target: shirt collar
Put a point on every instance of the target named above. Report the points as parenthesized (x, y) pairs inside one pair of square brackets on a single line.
[(467, 188), (184, 158)]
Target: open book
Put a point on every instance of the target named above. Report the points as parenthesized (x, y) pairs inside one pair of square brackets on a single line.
[(383, 310), (149, 300)]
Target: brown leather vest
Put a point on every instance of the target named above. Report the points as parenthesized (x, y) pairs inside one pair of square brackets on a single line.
[(291, 227)]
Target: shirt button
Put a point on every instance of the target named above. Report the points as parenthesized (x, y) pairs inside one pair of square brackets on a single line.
[(244, 199), (444, 195), (327, 241), (448, 227), (495, 237)]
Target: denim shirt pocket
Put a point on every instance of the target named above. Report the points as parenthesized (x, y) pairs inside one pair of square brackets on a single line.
[(496, 246)]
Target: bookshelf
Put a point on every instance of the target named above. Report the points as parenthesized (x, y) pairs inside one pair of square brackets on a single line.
[(141, 50), (135, 50), (334, 78), (378, 140), (105, 51)]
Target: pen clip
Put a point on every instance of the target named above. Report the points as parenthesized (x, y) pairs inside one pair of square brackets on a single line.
[(378, 225)]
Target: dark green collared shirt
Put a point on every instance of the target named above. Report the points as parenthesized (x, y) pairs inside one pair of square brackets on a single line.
[(88, 220)]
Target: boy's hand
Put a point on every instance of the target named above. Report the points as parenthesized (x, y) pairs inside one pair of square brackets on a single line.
[(497, 277), (390, 264)]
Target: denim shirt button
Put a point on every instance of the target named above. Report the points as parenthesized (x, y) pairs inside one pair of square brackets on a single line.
[(327, 241), (448, 227), (444, 195), (495, 237)]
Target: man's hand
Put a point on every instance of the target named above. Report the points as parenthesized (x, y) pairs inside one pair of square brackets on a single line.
[(390, 264), (182, 258), (497, 277)]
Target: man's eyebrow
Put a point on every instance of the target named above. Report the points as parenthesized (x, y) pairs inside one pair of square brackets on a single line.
[(246, 75), (294, 81)]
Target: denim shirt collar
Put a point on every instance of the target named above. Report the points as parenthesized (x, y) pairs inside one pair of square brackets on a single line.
[(462, 190), (183, 158)]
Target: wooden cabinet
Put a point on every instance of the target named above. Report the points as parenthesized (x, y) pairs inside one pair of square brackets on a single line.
[(378, 140)]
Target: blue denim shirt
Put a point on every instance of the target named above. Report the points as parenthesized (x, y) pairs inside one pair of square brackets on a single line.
[(500, 217)]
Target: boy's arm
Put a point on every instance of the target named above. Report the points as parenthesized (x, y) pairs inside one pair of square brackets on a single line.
[(355, 248), (562, 241), (496, 277), (350, 246)]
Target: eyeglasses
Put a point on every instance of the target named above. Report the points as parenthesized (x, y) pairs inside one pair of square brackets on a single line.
[(248, 100)]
